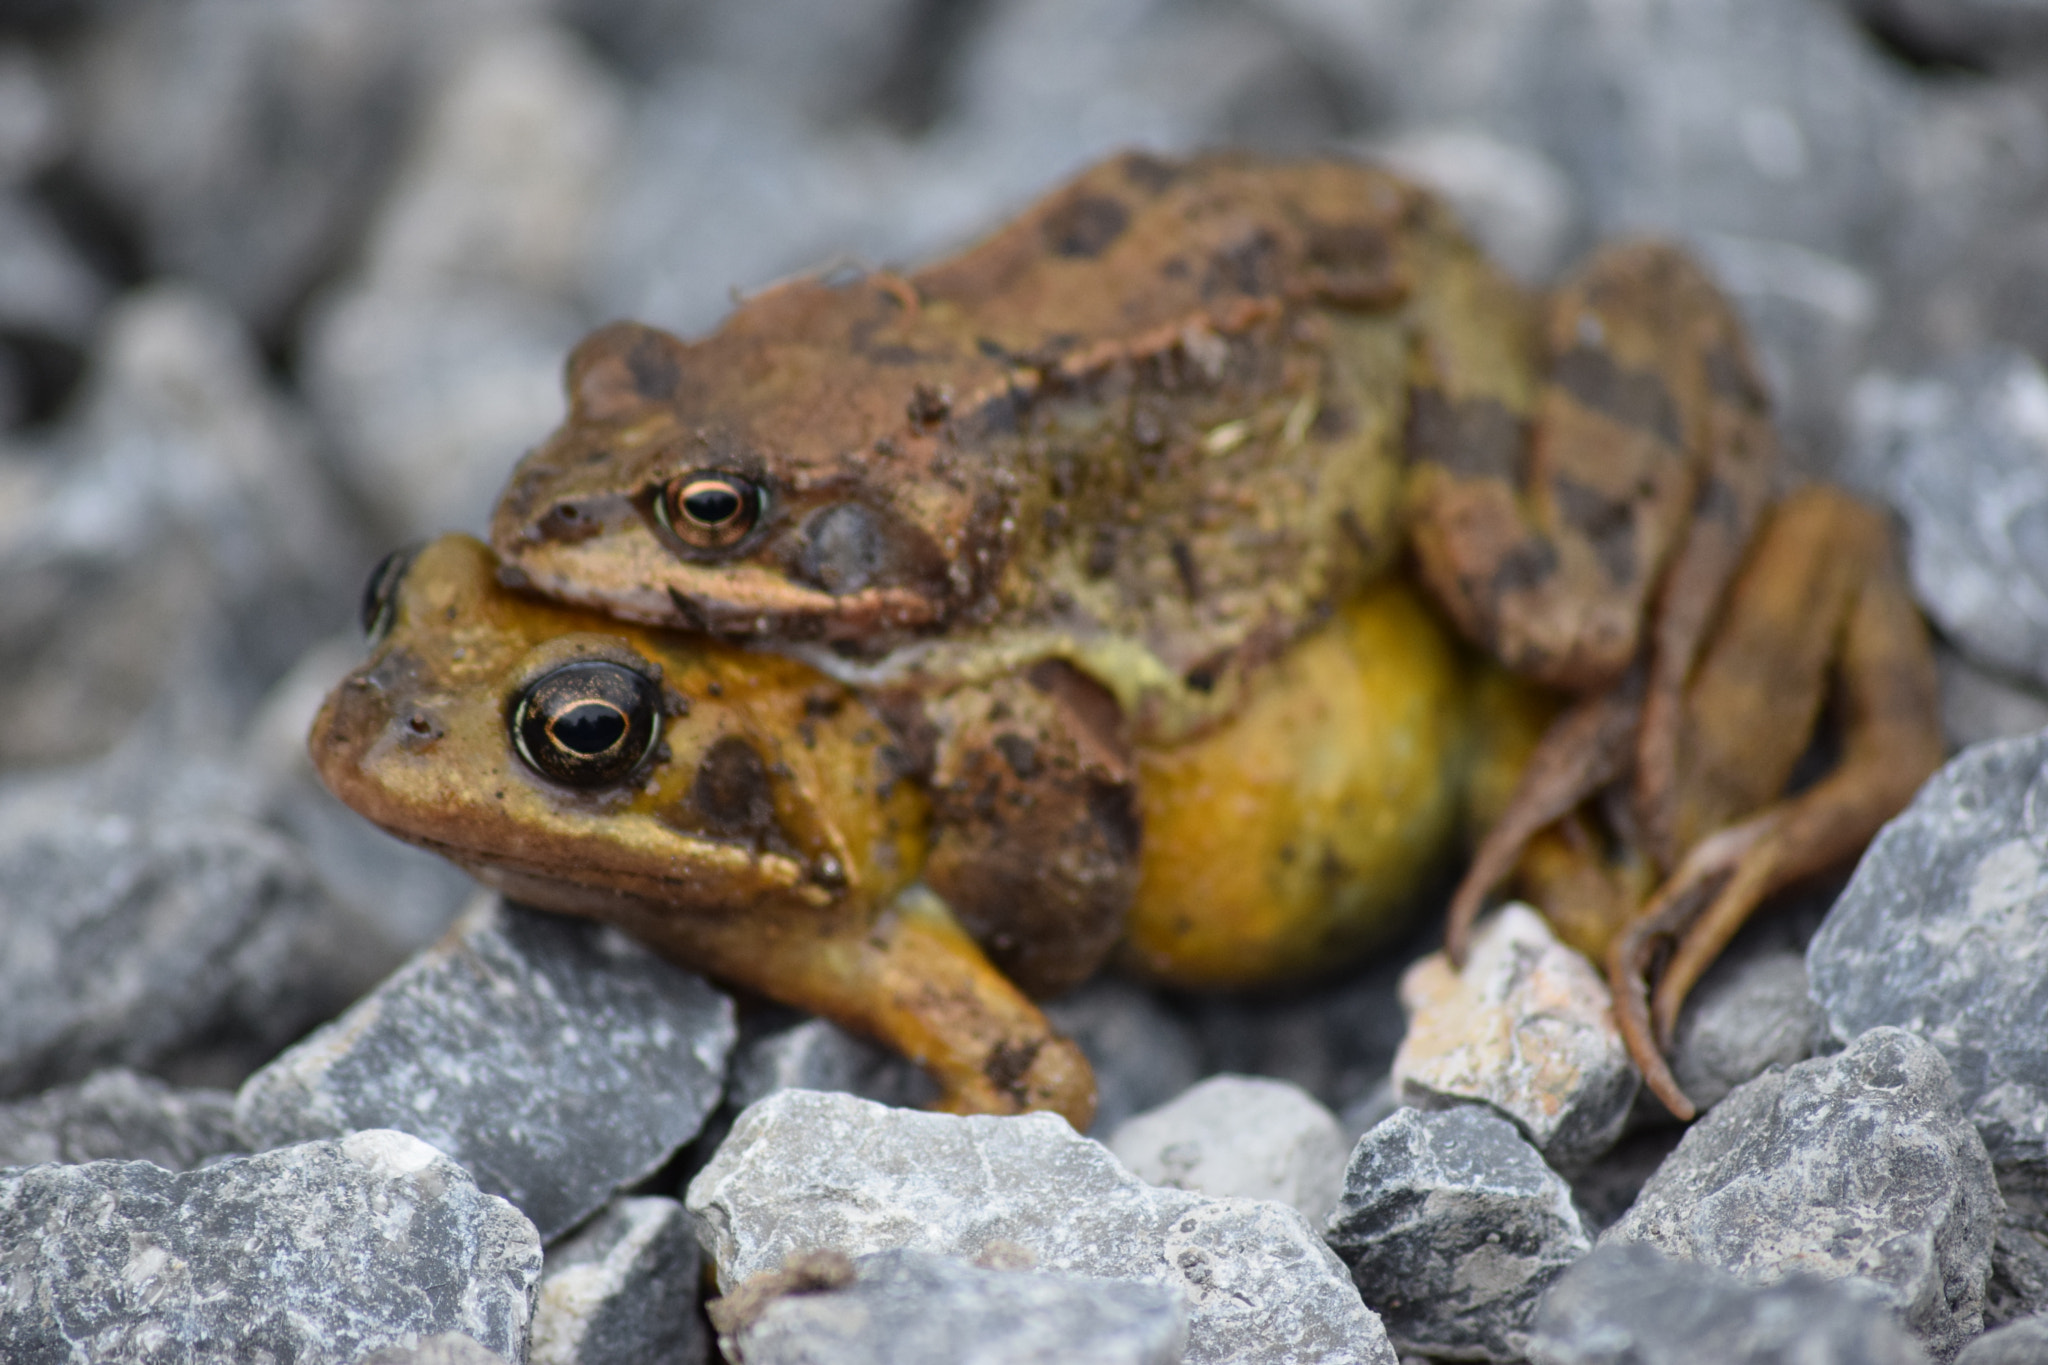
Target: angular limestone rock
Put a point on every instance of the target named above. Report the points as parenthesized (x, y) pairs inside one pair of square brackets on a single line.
[(116, 1115), (555, 1059), (914, 1308), (804, 1171), (1861, 1164), (1242, 1136), (623, 1290), (1629, 1304), (317, 1254), (1739, 1021), (1527, 1028), (1943, 929), (1453, 1227)]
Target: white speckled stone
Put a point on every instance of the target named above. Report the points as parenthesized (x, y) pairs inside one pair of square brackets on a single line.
[(1857, 1165), (1628, 1305), (913, 1308), (623, 1290), (1453, 1227), (317, 1254), (805, 1171), (1242, 1136), (1528, 1028), (556, 1059), (1943, 929)]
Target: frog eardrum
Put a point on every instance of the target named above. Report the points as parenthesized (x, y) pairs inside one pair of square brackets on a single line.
[(709, 509), (587, 724)]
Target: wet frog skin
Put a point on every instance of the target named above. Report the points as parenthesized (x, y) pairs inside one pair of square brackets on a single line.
[(1177, 414), (746, 815)]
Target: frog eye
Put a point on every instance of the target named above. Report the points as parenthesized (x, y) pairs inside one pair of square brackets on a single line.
[(380, 593), (711, 509), (587, 724)]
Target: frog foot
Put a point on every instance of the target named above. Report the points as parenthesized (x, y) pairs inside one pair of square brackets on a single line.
[(1819, 613)]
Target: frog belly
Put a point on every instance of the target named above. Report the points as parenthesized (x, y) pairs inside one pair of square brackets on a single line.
[(1299, 833)]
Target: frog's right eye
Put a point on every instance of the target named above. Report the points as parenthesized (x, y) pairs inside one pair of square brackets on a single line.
[(380, 593), (587, 724), (711, 509)]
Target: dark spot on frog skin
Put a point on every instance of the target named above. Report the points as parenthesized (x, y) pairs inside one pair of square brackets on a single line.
[(1527, 564), (1731, 379), (1020, 753), (1184, 565), (1332, 421), (1250, 267), (1477, 438), (1149, 173), (1101, 552), (1608, 524), (1112, 806), (732, 793), (1354, 264), (1083, 228), (1008, 1064), (653, 367), (928, 405), (1630, 397), (842, 549)]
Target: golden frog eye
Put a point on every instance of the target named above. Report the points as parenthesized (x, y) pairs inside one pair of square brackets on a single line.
[(711, 509), (380, 593), (587, 724)]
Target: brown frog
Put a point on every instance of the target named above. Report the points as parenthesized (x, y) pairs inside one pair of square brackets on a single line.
[(750, 818), (1166, 423)]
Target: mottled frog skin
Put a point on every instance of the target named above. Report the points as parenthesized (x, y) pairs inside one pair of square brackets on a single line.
[(1167, 424), (749, 817)]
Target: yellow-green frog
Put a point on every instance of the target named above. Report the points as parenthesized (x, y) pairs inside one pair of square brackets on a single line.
[(751, 818)]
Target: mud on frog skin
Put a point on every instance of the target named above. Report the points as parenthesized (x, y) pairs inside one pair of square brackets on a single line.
[(1163, 424), (748, 817)]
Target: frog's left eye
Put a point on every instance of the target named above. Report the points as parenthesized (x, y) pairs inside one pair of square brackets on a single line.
[(587, 724), (380, 593), (711, 509)]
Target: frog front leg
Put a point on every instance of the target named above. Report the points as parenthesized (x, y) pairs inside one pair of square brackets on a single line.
[(908, 976), (1035, 821)]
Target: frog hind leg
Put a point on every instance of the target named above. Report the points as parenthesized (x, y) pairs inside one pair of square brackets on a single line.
[(1647, 462), (1544, 523), (1820, 606), (1036, 824)]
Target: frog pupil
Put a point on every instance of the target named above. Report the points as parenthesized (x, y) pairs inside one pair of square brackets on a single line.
[(711, 504), (590, 728), (589, 723)]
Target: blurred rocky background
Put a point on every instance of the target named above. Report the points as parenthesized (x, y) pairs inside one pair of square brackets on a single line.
[(285, 284)]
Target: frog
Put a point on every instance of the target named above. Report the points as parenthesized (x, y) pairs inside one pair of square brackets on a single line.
[(1162, 425), (751, 818)]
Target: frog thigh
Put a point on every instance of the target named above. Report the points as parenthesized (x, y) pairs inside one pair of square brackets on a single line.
[(1543, 534), (1035, 821)]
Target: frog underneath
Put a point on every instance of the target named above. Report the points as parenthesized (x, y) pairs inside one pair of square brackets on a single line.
[(748, 816)]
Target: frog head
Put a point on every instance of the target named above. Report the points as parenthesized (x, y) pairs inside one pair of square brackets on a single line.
[(775, 478), (578, 763)]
